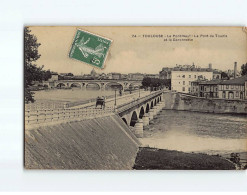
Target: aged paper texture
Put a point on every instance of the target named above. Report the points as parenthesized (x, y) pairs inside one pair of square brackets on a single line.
[(135, 98)]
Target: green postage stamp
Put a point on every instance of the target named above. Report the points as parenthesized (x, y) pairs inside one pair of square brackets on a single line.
[(90, 48)]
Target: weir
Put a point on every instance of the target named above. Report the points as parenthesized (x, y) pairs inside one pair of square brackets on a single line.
[(100, 143), (88, 138)]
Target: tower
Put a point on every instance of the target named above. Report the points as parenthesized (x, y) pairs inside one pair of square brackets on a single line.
[(235, 70), (93, 73), (210, 66)]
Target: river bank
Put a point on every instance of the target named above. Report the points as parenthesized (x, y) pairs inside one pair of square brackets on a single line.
[(187, 102), (160, 159), (196, 133)]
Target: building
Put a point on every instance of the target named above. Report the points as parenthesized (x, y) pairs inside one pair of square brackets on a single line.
[(136, 76), (54, 77), (93, 74), (233, 89), (234, 73), (102, 76), (216, 74), (109, 76), (209, 89), (223, 89), (124, 76), (87, 77), (114, 76), (181, 78), (194, 89), (156, 76), (165, 73), (78, 77), (188, 73)]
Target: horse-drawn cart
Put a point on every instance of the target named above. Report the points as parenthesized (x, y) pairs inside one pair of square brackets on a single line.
[(100, 101)]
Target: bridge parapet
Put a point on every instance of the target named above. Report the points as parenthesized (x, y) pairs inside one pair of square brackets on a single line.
[(49, 116), (126, 106)]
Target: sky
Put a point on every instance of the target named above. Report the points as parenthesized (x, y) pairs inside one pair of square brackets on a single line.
[(220, 46)]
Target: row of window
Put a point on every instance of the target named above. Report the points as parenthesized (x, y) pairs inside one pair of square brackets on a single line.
[(230, 86), (212, 88), (190, 76), (237, 93), (229, 95), (211, 95), (184, 82), (204, 88), (183, 89), (221, 86)]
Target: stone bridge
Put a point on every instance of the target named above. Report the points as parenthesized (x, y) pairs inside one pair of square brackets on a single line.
[(96, 84), (136, 110), (140, 112)]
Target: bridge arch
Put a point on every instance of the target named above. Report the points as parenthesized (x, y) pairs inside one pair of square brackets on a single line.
[(155, 102), (93, 86), (111, 85), (142, 112), (135, 85), (147, 108), (60, 85), (152, 104), (133, 119), (77, 85), (124, 119)]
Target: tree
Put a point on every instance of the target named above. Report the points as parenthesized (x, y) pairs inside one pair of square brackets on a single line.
[(244, 69), (155, 83), (146, 82), (31, 71), (70, 74), (46, 75), (224, 76), (167, 83)]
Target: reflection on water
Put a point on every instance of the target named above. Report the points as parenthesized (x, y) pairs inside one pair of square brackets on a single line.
[(70, 94), (198, 132)]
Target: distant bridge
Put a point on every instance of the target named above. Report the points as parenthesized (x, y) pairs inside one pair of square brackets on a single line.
[(96, 84)]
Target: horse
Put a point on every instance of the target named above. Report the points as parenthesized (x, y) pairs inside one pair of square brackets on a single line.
[(101, 102)]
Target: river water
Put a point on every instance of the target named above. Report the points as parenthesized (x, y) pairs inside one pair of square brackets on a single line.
[(197, 132)]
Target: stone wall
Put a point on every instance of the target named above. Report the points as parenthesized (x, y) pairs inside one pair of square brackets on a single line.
[(179, 101), (100, 143)]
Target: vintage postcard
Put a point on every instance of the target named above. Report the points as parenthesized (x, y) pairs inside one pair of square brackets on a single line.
[(135, 98)]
